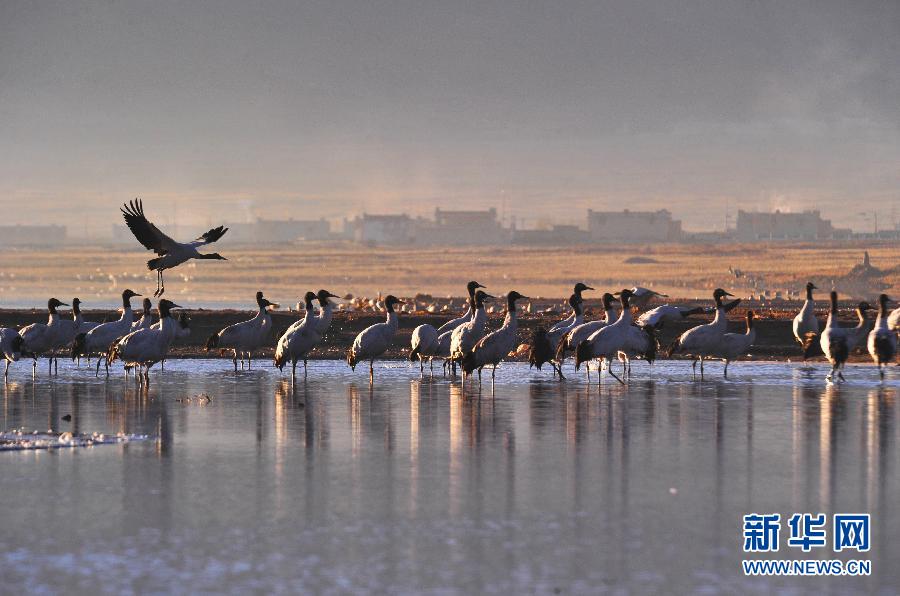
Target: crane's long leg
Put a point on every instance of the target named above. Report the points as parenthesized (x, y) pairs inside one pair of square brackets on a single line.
[(6, 372), (726, 369), (234, 360), (97, 372), (701, 367), (249, 358), (371, 371), (293, 370)]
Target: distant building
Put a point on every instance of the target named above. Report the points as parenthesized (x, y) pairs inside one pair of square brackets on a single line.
[(633, 226), (382, 229), (807, 225), (33, 235), (558, 235), (464, 227)]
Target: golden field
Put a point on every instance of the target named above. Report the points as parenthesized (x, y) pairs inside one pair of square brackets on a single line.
[(98, 274)]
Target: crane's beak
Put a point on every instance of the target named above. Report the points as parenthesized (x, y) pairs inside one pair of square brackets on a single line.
[(588, 288), (176, 306), (64, 304), (488, 295), (729, 294)]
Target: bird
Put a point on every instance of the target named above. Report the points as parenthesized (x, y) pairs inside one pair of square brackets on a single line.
[(145, 347), (99, 339), (146, 318), (581, 332), (609, 340), (247, 336), (577, 290), (10, 347), (805, 322), (882, 341), (833, 341), (428, 342), (640, 297), (702, 340), (856, 335), (544, 343), (667, 313), (299, 339), (374, 340), (326, 310), (81, 326), (171, 253), (423, 344), (894, 319), (452, 324), (734, 345), (496, 345), (47, 338), (182, 330), (540, 351), (464, 337)]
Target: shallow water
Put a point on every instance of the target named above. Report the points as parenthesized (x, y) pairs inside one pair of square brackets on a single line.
[(416, 485)]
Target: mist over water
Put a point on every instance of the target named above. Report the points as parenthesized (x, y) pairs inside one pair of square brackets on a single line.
[(419, 484)]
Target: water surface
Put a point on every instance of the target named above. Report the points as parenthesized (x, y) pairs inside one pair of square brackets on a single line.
[(533, 486)]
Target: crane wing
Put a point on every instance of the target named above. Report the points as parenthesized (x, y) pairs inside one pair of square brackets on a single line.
[(210, 236), (146, 233)]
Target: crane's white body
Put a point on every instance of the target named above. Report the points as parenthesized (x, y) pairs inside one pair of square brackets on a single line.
[(496, 345), (666, 313), (374, 340), (145, 347), (246, 337), (734, 345), (464, 337), (834, 344), (298, 341), (805, 322), (581, 332), (99, 339)]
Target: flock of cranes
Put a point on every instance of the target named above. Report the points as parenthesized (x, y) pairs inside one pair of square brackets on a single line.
[(463, 342)]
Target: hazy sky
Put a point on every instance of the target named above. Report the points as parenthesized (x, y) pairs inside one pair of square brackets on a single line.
[(238, 107)]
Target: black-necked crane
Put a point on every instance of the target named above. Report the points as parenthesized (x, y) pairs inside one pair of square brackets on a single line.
[(47, 338), (428, 342), (10, 347), (622, 335), (882, 341), (374, 340), (806, 322), (703, 340), (641, 297), (833, 341), (464, 337), (145, 347), (544, 343), (452, 324), (496, 345), (299, 340), (857, 335), (98, 340), (668, 314), (567, 322), (245, 337), (581, 332), (734, 345), (326, 310), (146, 316), (171, 253)]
